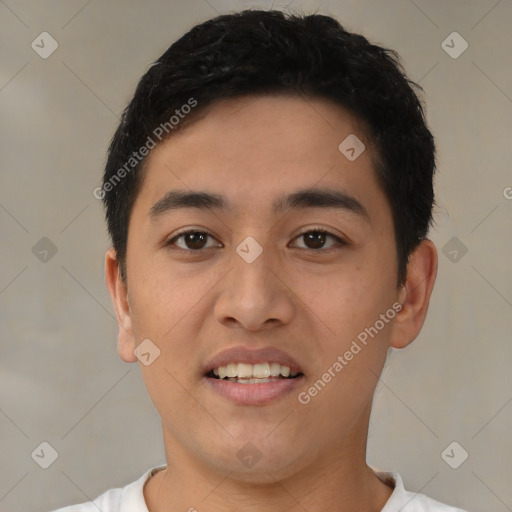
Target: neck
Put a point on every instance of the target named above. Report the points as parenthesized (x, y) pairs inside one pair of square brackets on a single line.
[(336, 480)]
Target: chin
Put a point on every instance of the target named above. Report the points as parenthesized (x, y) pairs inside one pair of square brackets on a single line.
[(259, 462)]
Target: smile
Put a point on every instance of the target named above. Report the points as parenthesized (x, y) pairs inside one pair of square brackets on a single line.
[(245, 373), (252, 376)]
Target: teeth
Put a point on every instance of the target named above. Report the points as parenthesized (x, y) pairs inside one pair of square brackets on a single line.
[(231, 370), (260, 372), (275, 369), (243, 371), (250, 381)]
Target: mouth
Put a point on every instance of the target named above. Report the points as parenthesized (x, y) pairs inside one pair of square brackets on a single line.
[(253, 377), (253, 384), (260, 373)]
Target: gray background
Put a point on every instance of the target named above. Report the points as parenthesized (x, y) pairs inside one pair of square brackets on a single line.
[(62, 381)]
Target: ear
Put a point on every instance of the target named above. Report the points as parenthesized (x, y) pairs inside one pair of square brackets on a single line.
[(119, 293), (415, 294)]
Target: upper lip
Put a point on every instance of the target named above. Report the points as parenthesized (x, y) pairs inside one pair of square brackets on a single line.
[(241, 354)]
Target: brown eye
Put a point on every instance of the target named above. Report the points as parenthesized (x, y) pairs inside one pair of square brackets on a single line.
[(195, 240), (316, 239), (190, 240)]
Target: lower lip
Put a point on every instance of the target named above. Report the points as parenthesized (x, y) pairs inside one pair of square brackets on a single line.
[(254, 394)]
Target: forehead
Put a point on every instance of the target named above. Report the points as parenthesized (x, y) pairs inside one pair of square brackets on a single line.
[(254, 149)]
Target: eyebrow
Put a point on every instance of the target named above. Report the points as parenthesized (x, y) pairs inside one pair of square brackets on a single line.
[(306, 198)]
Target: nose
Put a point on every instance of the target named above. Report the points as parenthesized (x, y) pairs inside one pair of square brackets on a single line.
[(254, 296)]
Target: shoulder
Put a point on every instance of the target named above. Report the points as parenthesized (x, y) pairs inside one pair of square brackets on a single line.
[(109, 501), (404, 501), (121, 499)]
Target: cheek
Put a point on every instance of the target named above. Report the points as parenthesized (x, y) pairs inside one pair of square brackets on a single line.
[(159, 296), (347, 309), (352, 356), (342, 300)]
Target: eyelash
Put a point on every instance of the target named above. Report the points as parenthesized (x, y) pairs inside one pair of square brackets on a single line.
[(317, 230)]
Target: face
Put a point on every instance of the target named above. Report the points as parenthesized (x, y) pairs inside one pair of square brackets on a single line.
[(290, 259)]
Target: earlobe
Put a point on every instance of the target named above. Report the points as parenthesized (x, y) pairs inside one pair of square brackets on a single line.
[(119, 295), (415, 295)]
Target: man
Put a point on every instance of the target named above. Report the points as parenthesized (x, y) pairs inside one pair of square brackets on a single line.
[(268, 193)]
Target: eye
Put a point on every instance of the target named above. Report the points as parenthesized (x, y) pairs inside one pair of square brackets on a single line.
[(191, 240), (195, 241), (315, 239)]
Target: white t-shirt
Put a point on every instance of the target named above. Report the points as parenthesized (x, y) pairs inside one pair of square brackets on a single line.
[(131, 498)]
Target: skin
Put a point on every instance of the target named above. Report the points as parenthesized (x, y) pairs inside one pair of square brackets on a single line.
[(310, 304)]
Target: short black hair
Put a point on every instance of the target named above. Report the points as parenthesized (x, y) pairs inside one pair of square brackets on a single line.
[(268, 52)]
